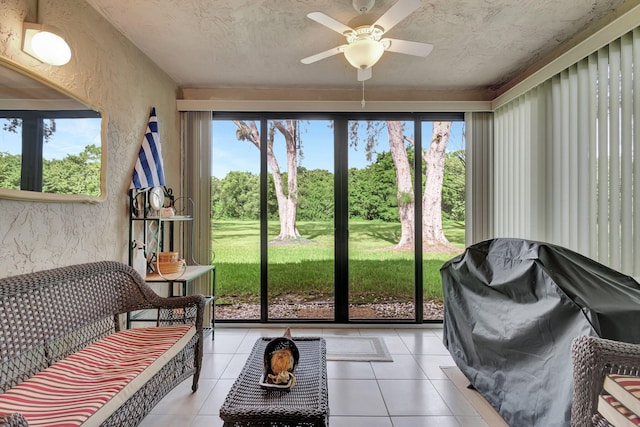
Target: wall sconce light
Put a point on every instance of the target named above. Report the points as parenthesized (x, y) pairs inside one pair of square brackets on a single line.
[(44, 42)]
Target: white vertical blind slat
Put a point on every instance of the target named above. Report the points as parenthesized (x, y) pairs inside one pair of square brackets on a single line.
[(556, 162), (593, 157), (583, 152), (509, 220), (498, 140), (636, 146), (614, 155), (548, 137), (573, 183), (603, 156), (626, 164)]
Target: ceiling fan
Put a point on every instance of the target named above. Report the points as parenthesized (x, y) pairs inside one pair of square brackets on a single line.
[(365, 44)]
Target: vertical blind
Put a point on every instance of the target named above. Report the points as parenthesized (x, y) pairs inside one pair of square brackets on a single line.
[(196, 173), (479, 178), (564, 167)]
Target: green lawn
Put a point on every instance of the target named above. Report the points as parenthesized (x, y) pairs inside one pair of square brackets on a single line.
[(377, 272)]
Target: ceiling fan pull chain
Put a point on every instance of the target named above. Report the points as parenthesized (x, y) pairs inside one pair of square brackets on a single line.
[(363, 101)]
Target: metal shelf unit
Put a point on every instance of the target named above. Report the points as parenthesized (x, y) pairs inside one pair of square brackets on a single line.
[(159, 233)]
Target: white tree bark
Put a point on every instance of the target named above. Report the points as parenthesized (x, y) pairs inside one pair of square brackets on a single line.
[(404, 184), (287, 203), (434, 156)]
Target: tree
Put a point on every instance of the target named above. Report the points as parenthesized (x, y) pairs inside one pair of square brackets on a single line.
[(48, 127), (432, 233), (433, 158), (287, 201), (403, 172), (453, 186), (10, 165), (238, 196), (404, 183), (315, 201), (74, 174), (372, 190)]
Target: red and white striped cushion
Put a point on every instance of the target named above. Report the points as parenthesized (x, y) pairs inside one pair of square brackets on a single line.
[(86, 387)]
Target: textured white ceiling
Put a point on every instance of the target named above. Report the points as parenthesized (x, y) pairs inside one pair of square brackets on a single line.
[(479, 44)]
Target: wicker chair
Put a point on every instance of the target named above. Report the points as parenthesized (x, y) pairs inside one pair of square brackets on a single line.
[(593, 358)]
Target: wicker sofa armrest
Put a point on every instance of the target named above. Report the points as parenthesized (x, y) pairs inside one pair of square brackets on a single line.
[(172, 309), (593, 358), (183, 309), (13, 420)]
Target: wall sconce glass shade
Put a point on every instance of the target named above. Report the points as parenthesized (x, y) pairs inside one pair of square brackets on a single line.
[(43, 42), (364, 53)]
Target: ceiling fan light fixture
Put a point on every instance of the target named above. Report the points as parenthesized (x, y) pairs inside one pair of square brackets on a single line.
[(364, 53)]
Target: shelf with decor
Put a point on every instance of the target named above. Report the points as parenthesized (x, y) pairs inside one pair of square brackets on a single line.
[(160, 229)]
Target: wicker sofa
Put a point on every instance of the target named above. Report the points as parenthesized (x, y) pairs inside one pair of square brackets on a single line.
[(593, 358), (59, 316)]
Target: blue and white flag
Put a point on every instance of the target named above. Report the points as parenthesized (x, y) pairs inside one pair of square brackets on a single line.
[(149, 170)]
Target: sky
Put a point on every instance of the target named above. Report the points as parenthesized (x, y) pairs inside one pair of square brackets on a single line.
[(229, 154), (71, 137)]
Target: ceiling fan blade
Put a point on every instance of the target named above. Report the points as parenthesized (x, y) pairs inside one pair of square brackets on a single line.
[(397, 13), (408, 47), (323, 55), (365, 74), (329, 22)]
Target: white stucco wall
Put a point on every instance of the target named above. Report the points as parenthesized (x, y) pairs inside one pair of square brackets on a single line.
[(110, 72)]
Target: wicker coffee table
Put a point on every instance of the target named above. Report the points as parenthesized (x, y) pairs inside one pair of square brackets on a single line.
[(306, 404)]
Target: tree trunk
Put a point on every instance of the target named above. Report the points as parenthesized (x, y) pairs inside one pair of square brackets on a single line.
[(432, 233), (406, 207), (287, 203)]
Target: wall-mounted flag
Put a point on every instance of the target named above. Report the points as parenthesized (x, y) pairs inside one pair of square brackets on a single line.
[(149, 169)]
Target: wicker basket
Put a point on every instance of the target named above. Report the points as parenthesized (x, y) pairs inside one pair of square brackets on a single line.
[(167, 257), (170, 267)]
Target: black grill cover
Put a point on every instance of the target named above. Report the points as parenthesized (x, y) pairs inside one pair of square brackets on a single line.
[(512, 308)]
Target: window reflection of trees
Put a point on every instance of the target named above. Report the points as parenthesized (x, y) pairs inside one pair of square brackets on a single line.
[(24, 164)]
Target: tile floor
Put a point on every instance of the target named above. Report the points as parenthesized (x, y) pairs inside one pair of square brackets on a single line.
[(411, 391)]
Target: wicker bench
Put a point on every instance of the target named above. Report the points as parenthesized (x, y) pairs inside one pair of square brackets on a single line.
[(69, 320), (305, 405)]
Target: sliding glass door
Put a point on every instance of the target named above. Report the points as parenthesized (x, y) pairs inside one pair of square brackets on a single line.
[(300, 246), (235, 218), (332, 218), (381, 220)]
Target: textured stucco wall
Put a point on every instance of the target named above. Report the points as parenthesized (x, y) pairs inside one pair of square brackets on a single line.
[(110, 72)]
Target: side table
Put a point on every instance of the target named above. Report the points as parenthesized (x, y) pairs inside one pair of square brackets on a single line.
[(306, 404)]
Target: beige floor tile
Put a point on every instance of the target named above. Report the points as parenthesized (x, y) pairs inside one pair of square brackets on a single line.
[(404, 366), (431, 365), (360, 422), (356, 397), (412, 398), (428, 421), (153, 420), (182, 401), (350, 370), (458, 404), (215, 399)]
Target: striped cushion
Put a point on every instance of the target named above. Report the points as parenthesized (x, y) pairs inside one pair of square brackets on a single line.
[(88, 386)]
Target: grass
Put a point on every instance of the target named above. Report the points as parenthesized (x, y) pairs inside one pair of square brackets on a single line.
[(377, 272)]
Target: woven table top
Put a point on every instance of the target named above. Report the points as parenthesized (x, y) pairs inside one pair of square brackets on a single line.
[(306, 404)]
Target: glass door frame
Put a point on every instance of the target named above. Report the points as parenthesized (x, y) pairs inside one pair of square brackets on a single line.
[(341, 212)]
